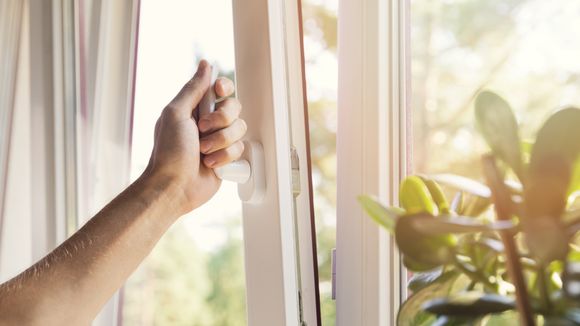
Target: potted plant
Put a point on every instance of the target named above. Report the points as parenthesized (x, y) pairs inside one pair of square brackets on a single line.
[(500, 250)]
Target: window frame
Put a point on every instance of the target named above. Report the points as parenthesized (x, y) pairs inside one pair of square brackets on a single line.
[(279, 238), (372, 155)]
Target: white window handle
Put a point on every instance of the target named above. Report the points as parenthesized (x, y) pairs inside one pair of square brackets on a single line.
[(248, 172)]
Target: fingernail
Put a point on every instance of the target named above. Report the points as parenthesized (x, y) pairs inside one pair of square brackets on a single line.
[(209, 162), (204, 125), (205, 146), (201, 67), (226, 87)]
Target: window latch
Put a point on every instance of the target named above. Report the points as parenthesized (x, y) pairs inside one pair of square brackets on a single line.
[(249, 171)]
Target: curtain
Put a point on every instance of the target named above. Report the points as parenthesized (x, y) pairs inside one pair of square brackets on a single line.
[(10, 25), (10, 18)]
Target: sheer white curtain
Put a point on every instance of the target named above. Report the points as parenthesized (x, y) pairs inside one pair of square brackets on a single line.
[(10, 30), (72, 97), (10, 25)]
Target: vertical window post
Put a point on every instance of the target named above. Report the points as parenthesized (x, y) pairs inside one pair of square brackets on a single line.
[(371, 158), (279, 256)]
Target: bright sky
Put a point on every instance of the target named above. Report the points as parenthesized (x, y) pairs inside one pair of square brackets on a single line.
[(172, 33)]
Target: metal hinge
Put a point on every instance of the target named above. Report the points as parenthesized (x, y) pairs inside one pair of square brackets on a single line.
[(301, 312), (295, 161), (333, 272)]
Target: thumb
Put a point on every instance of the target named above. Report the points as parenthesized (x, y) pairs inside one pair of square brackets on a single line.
[(192, 92)]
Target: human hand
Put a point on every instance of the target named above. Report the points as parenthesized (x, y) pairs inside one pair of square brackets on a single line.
[(177, 153)]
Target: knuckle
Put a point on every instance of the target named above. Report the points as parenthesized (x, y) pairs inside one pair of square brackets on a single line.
[(243, 125), (235, 151), (223, 118), (222, 137), (237, 105), (170, 111)]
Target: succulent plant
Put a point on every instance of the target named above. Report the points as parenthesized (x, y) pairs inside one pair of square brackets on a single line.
[(497, 251)]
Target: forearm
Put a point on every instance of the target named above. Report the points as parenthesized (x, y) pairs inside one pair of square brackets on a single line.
[(70, 285)]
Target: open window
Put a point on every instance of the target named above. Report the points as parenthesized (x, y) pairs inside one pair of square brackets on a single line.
[(258, 44), (413, 68), (96, 75)]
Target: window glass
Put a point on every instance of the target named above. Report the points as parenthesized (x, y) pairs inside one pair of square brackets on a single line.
[(195, 276), (525, 50), (320, 41)]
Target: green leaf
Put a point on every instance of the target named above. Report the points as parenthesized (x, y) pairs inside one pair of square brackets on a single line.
[(571, 280), (527, 146), (572, 221), (414, 196), (457, 202), (427, 250), (415, 266), (470, 303), (575, 183), (437, 195), (550, 172), (457, 224), (385, 216), (573, 315), (420, 280), (411, 313), (546, 238), (559, 321), (464, 184), (498, 126), (551, 164), (475, 206), (456, 321), (508, 318)]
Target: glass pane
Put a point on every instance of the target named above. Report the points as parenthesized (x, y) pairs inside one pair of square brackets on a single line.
[(320, 41), (526, 50), (195, 276)]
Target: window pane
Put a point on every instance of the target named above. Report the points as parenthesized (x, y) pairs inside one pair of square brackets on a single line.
[(320, 31), (526, 50), (195, 276)]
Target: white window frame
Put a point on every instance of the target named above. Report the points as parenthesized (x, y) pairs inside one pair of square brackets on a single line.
[(281, 282), (372, 156)]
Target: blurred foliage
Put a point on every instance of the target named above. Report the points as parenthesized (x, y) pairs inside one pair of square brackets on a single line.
[(180, 285), (459, 47), (320, 27), (320, 24)]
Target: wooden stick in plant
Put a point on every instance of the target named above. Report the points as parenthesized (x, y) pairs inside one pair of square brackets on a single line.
[(503, 206)]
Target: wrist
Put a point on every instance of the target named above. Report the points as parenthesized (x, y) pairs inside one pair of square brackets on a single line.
[(167, 190)]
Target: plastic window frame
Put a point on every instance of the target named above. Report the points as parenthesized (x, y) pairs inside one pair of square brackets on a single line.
[(280, 252), (372, 155)]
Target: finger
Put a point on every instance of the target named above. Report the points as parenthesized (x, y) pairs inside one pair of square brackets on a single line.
[(226, 113), (224, 87), (224, 156), (224, 137), (188, 98)]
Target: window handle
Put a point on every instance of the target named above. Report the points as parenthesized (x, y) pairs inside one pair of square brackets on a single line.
[(248, 172)]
